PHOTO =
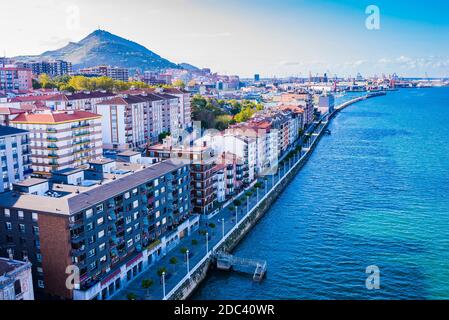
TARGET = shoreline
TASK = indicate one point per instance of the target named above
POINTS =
(187, 286)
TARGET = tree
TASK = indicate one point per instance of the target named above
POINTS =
(244, 115)
(45, 81)
(194, 242)
(173, 261)
(179, 84)
(147, 284)
(131, 296)
(162, 136)
(237, 202)
(183, 250)
(161, 270)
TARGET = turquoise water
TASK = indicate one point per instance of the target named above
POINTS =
(375, 192)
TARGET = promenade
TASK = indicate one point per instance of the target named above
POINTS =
(178, 268)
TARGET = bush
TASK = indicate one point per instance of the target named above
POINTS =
(194, 242)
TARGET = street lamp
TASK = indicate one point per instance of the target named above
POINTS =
(236, 214)
(222, 226)
(207, 242)
(163, 284)
(188, 267)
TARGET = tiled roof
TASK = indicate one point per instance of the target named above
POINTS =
(54, 117)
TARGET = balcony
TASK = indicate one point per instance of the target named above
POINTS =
(51, 130)
(82, 133)
(52, 139)
(78, 126)
(52, 147)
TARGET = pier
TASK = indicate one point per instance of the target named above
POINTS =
(225, 261)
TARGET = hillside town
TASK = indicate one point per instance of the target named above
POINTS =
(107, 169)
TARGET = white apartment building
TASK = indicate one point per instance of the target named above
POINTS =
(236, 142)
(61, 140)
(124, 122)
(133, 120)
(16, 282)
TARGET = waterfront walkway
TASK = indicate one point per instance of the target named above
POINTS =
(218, 228)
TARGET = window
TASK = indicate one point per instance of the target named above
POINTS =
(40, 284)
(34, 216)
(100, 208)
(17, 287)
(137, 238)
(8, 226)
(103, 259)
(38, 257)
(134, 191)
(129, 230)
(128, 219)
(164, 221)
(127, 195)
(135, 204)
(7, 213)
(22, 228)
(36, 230)
(130, 242)
(89, 213)
(156, 182)
(20, 214)
(157, 214)
(91, 253)
(101, 234)
(40, 270)
(102, 246)
(100, 221)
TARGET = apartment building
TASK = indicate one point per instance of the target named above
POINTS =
(14, 156)
(52, 68)
(61, 140)
(184, 107)
(203, 168)
(16, 282)
(302, 100)
(14, 79)
(86, 100)
(133, 120)
(243, 147)
(110, 221)
(116, 73)
(266, 139)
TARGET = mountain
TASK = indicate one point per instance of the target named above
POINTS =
(104, 48)
(188, 67)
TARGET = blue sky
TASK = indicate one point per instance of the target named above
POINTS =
(283, 37)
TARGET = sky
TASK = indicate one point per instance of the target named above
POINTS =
(269, 37)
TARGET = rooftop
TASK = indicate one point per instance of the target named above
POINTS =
(55, 117)
(8, 265)
(77, 198)
(10, 131)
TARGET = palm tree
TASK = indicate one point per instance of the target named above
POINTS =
(146, 284)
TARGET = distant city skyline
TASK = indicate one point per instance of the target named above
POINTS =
(282, 38)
